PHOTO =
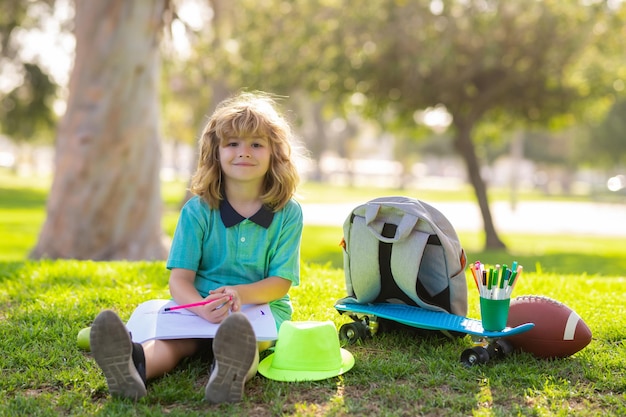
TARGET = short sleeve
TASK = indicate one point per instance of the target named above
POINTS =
(186, 249)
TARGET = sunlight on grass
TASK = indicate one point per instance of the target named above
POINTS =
(484, 399)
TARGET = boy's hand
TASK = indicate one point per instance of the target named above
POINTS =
(217, 310)
(235, 300)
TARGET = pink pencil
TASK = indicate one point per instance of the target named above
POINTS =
(200, 303)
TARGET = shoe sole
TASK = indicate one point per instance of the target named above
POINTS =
(234, 349)
(112, 349)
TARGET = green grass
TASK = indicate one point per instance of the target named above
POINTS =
(44, 304)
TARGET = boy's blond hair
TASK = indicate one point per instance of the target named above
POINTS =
(247, 115)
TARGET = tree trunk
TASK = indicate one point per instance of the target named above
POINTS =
(105, 201)
(465, 147)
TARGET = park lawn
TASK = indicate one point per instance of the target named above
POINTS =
(44, 304)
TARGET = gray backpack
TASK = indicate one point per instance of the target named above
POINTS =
(402, 250)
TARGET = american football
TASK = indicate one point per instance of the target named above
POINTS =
(559, 332)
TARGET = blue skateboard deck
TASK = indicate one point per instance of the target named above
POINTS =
(430, 320)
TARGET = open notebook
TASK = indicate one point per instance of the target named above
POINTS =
(150, 321)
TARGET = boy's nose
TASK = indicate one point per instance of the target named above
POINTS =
(244, 152)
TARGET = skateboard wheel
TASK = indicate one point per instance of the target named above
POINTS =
(475, 356)
(501, 348)
(351, 333)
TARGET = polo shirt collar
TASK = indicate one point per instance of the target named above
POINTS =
(230, 217)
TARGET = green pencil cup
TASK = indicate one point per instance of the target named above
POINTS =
(494, 313)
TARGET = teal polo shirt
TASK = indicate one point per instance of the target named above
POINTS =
(225, 248)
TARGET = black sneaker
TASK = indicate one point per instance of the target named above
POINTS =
(234, 349)
(121, 360)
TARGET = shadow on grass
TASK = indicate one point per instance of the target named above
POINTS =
(561, 263)
(571, 263)
(22, 198)
(321, 245)
(567, 263)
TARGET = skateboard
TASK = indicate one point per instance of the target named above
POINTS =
(491, 344)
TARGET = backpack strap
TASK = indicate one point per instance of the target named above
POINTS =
(404, 228)
(389, 289)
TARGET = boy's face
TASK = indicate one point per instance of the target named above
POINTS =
(245, 159)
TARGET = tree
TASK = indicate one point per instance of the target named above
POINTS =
(481, 60)
(26, 111)
(105, 200)
(26, 108)
(608, 139)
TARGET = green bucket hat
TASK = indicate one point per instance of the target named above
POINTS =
(306, 351)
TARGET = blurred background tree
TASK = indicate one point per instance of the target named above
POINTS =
(27, 110)
(608, 139)
(513, 62)
(27, 93)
